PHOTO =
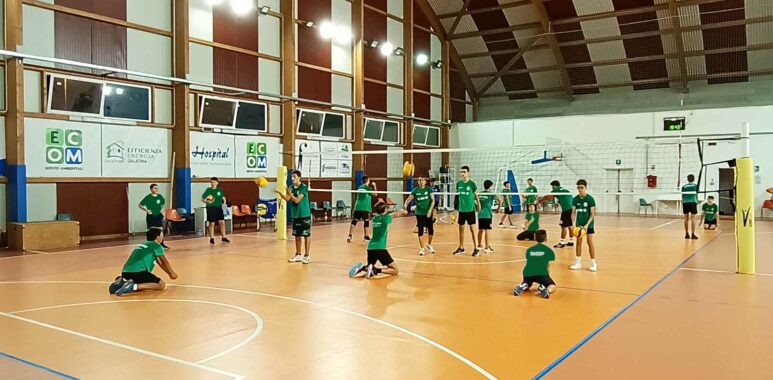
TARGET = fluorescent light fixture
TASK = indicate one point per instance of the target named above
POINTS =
(343, 35)
(326, 30)
(374, 44)
(437, 64)
(308, 24)
(399, 52)
(265, 9)
(241, 7)
(119, 91)
(421, 59)
(387, 48)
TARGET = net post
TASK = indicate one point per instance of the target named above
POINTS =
(744, 215)
(281, 204)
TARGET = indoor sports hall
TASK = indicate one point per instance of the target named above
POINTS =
(387, 189)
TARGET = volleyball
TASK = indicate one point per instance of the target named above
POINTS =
(210, 198)
(261, 181)
(261, 209)
(408, 169)
(578, 232)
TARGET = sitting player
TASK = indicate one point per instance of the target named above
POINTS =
(710, 210)
(137, 273)
(531, 225)
(377, 251)
(538, 259)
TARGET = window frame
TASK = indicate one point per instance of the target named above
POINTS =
(150, 101)
(50, 96)
(380, 140)
(320, 135)
(426, 138)
(265, 115)
(203, 98)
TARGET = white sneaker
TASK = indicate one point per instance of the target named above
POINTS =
(576, 266)
(296, 259)
(369, 271)
(306, 259)
(421, 252)
(431, 249)
(489, 250)
(502, 226)
(513, 226)
(593, 267)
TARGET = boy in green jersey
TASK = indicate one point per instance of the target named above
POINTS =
(507, 207)
(468, 205)
(531, 225)
(710, 210)
(528, 199)
(136, 274)
(690, 206)
(425, 204)
(362, 207)
(214, 197)
(538, 259)
(484, 217)
(565, 201)
(377, 252)
(584, 215)
(298, 193)
(152, 205)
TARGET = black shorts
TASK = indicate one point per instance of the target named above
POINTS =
(361, 215)
(466, 218)
(155, 221)
(484, 223)
(710, 222)
(214, 214)
(143, 277)
(542, 280)
(425, 221)
(302, 226)
(590, 231)
(509, 210)
(690, 208)
(456, 202)
(566, 219)
(379, 255)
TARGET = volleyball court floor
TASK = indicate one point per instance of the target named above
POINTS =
(659, 304)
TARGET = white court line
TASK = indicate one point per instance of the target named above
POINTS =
(723, 271)
(454, 263)
(251, 337)
(422, 338)
(124, 346)
(664, 224)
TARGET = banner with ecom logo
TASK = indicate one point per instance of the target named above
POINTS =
(55, 148)
(257, 156)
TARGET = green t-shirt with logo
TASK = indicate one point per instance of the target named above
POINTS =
(380, 225)
(583, 206)
(486, 203)
(217, 196)
(363, 202)
(531, 198)
(537, 259)
(143, 258)
(692, 188)
(300, 209)
(710, 211)
(534, 225)
(466, 192)
(564, 200)
(423, 199)
(154, 203)
(506, 201)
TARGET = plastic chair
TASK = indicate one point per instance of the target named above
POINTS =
(643, 203)
(236, 214)
(767, 205)
(327, 207)
(342, 209)
(391, 206)
(249, 215)
(314, 209)
(172, 216)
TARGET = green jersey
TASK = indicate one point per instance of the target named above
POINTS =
(143, 258)
(154, 203)
(380, 225)
(217, 195)
(710, 212)
(363, 203)
(486, 203)
(423, 199)
(300, 209)
(564, 200)
(531, 198)
(466, 192)
(691, 188)
(537, 259)
(506, 201)
(534, 225)
(583, 207)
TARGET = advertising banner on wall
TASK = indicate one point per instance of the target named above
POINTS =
(212, 155)
(336, 159)
(257, 156)
(309, 164)
(55, 148)
(135, 152)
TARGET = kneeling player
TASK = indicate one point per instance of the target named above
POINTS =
(538, 259)
(710, 210)
(377, 251)
(137, 273)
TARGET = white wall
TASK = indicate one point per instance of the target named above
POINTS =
(41, 202)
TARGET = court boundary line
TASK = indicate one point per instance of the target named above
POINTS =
(38, 366)
(725, 272)
(256, 331)
(393, 326)
(617, 314)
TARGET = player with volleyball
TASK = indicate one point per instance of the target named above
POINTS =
(214, 197)
(584, 216)
(425, 204)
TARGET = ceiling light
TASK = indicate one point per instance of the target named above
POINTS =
(108, 90)
(308, 24)
(422, 59)
(214, 2)
(343, 35)
(326, 30)
(119, 91)
(437, 64)
(387, 48)
(265, 9)
(399, 52)
(241, 7)
(374, 44)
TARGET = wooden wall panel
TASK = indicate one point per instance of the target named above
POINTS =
(314, 84)
(375, 28)
(422, 163)
(421, 74)
(235, 30)
(376, 164)
(102, 208)
(240, 193)
(312, 49)
(91, 41)
(421, 105)
(375, 96)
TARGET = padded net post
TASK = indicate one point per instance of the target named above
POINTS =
(744, 215)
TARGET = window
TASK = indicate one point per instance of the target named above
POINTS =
(217, 112)
(383, 131)
(322, 124)
(427, 136)
(77, 96)
(251, 116)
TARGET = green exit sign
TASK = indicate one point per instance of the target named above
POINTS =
(674, 124)
(618, 162)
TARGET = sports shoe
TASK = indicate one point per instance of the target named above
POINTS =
(430, 249)
(421, 252)
(519, 289)
(349, 239)
(559, 245)
(369, 271)
(306, 259)
(693, 237)
(476, 252)
(489, 250)
(593, 267)
(570, 244)
(357, 268)
(211, 241)
(366, 238)
(687, 236)
(513, 226)
(502, 225)
(127, 287)
(295, 259)
(117, 284)
(576, 266)
(225, 240)
(544, 292)
(459, 251)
